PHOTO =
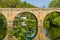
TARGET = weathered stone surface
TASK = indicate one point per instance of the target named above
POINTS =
(40, 14)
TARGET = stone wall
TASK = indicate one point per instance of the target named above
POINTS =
(40, 14)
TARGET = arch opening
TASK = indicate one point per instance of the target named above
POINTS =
(3, 26)
(25, 26)
(51, 25)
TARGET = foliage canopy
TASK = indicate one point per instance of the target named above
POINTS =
(52, 25)
(25, 32)
(3, 28)
(54, 4)
(14, 4)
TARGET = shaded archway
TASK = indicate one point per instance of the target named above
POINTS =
(25, 26)
(51, 25)
(3, 26)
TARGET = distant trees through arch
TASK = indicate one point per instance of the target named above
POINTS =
(25, 26)
(3, 26)
(51, 24)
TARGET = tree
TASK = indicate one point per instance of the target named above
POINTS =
(14, 4)
(27, 5)
(3, 28)
(54, 4)
(52, 25)
(25, 32)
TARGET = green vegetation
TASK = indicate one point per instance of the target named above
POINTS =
(15, 4)
(3, 29)
(28, 31)
(52, 25)
(54, 4)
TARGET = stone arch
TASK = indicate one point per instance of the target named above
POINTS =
(45, 13)
(17, 12)
(19, 15)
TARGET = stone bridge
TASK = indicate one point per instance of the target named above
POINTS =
(40, 14)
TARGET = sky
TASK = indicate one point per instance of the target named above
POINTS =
(38, 3)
